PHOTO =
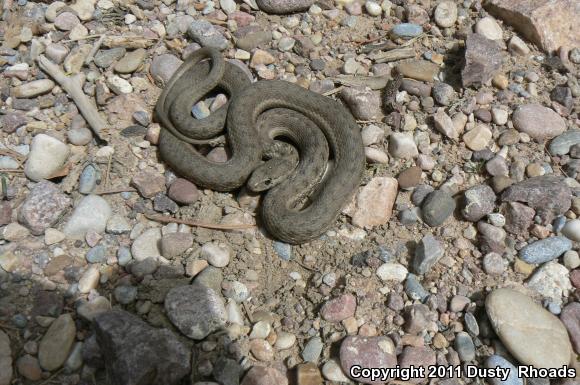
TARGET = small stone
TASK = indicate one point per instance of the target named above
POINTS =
(56, 344)
(545, 250)
(195, 310)
(538, 122)
(339, 309)
(443, 93)
(367, 352)
(118, 224)
(437, 207)
(183, 191)
(571, 259)
(90, 279)
(207, 35)
(125, 295)
(308, 374)
(570, 317)
(175, 244)
(217, 254)
(47, 156)
(5, 360)
(477, 138)
(489, 28)
(418, 69)
(407, 30)
(479, 201)
(65, 21)
(446, 14)
(262, 350)
(428, 252)
(147, 245)
(119, 85)
(15, 232)
(28, 367)
(149, 184)
(493, 264)
(562, 144)
(43, 207)
(131, 61)
(402, 146)
(483, 59)
(518, 46)
(33, 88)
(464, 347)
(88, 310)
(551, 281)
(91, 214)
(410, 177)
(496, 361)
(392, 272)
(373, 8)
(260, 375)
(312, 350)
(374, 202)
(499, 116)
(285, 341)
(417, 357)
(163, 66)
(444, 124)
(105, 58)
(260, 330)
(365, 104)
(530, 333)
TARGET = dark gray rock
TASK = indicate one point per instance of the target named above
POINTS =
(227, 371)
(495, 361)
(138, 354)
(562, 144)
(491, 238)
(483, 59)
(437, 207)
(545, 250)
(414, 289)
(464, 347)
(284, 6)
(427, 253)
(478, 202)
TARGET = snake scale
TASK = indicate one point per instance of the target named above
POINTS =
(257, 118)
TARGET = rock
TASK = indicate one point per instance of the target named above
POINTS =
(410, 177)
(548, 24)
(105, 57)
(308, 374)
(284, 6)
(163, 66)
(28, 367)
(91, 214)
(261, 350)
(572, 230)
(90, 309)
(195, 310)
(491, 238)
(259, 375)
(494, 264)
(489, 28)
(538, 122)
(43, 207)
(285, 341)
(56, 344)
(147, 245)
(416, 88)
(33, 88)
(547, 194)
(444, 124)
(47, 156)
(339, 309)
(175, 244)
(90, 279)
(312, 350)
(80, 136)
(374, 203)
(407, 30)
(217, 254)
(477, 138)
(417, 357)
(429, 250)
(545, 250)
(125, 295)
(498, 361)
(402, 146)
(531, 334)
(149, 184)
(418, 69)
(367, 352)
(332, 371)
(13, 121)
(207, 35)
(5, 360)
(518, 46)
(437, 207)
(519, 217)
(478, 202)
(551, 281)
(445, 14)
(118, 224)
(414, 289)
(392, 272)
(364, 103)
(119, 85)
(570, 317)
(136, 353)
(65, 21)
(131, 61)
(183, 191)
(464, 347)
(443, 93)
(483, 59)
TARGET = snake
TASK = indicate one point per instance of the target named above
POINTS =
(302, 198)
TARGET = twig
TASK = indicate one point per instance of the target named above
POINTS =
(215, 226)
(11, 171)
(84, 38)
(248, 314)
(304, 266)
(115, 191)
(13, 154)
(72, 86)
(108, 171)
(333, 91)
(94, 50)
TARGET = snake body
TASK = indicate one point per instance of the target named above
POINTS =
(331, 158)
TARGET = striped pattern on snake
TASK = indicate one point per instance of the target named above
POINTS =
(307, 202)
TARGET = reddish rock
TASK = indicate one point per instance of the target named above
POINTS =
(411, 177)
(260, 375)
(538, 122)
(242, 18)
(183, 191)
(43, 207)
(5, 213)
(570, 317)
(483, 59)
(149, 184)
(367, 352)
(374, 203)
(339, 308)
(365, 104)
(518, 218)
(12, 121)
(575, 278)
(550, 24)
(419, 357)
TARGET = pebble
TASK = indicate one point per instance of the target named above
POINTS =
(374, 202)
(428, 252)
(489, 28)
(445, 14)
(402, 146)
(414, 289)
(28, 367)
(91, 214)
(545, 250)
(464, 347)
(483, 60)
(437, 207)
(499, 116)
(392, 272)
(80, 136)
(538, 122)
(339, 309)
(119, 85)
(367, 352)
(260, 375)
(207, 35)
(530, 333)
(495, 361)
(43, 207)
(285, 341)
(365, 104)
(47, 156)
(407, 31)
(418, 69)
(551, 281)
(56, 344)
(443, 93)
(33, 88)
(571, 259)
(88, 179)
(477, 138)
(97, 254)
(312, 350)
(494, 264)
(570, 317)
(148, 183)
(125, 295)
(562, 144)
(147, 245)
(409, 178)
(332, 371)
(88, 310)
(373, 8)
(195, 310)
(118, 224)
(217, 254)
(65, 21)
(5, 359)
(90, 279)
(131, 61)
(163, 66)
(479, 201)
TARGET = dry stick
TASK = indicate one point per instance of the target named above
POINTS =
(94, 50)
(115, 191)
(214, 226)
(72, 86)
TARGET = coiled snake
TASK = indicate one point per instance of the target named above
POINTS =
(304, 199)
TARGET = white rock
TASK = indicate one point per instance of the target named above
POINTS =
(402, 146)
(499, 116)
(130, 18)
(332, 371)
(47, 156)
(374, 155)
(285, 340)
(489, 28)
(52, 10)
(92, 213)
(119, 85)
(444, 124)
(234, 313)
(228, 6)
(372, 134)
(392, 272)
(261, 330)
(551, 281)
(518, 46)
(571, 259)
(52, 236)
(217, 254)
(446, 14)
(572, 230)
(477, 138)
(79, 31)
(373, 8)
(90, 279)
(147, 245)
(84, 9)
